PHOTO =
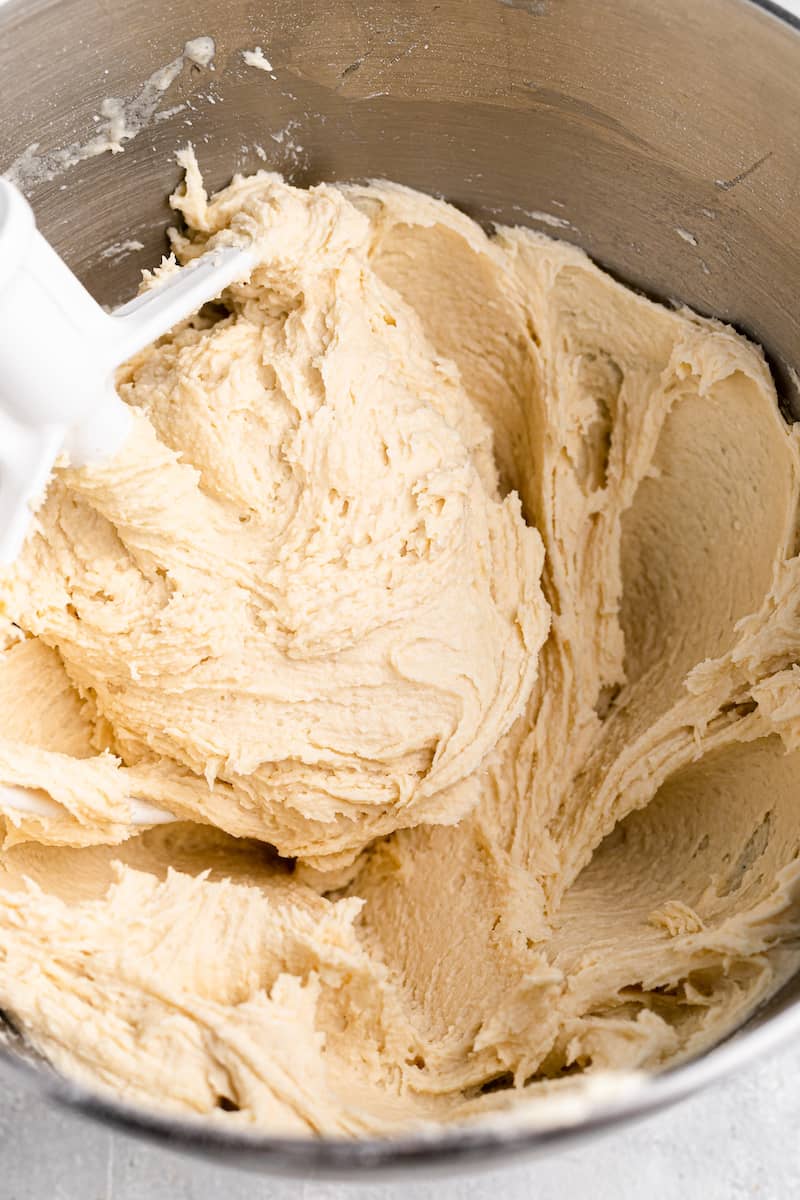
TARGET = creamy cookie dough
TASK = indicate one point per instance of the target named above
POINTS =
(446, 593)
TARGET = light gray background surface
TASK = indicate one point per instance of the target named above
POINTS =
(738, 1140)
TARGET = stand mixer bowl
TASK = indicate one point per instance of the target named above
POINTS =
(657, 137)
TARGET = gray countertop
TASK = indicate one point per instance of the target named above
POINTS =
(738, 1139)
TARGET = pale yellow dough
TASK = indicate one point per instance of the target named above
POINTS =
(446, 590)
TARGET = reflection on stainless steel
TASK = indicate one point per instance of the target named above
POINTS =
(658, 136)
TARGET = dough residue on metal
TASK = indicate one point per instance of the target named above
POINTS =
(119, 121)
(257, 58)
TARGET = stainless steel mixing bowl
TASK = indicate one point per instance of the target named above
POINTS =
(662, 137)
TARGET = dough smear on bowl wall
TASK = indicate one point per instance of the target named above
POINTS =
(445, 591)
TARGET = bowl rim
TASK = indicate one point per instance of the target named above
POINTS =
(488, 1143)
